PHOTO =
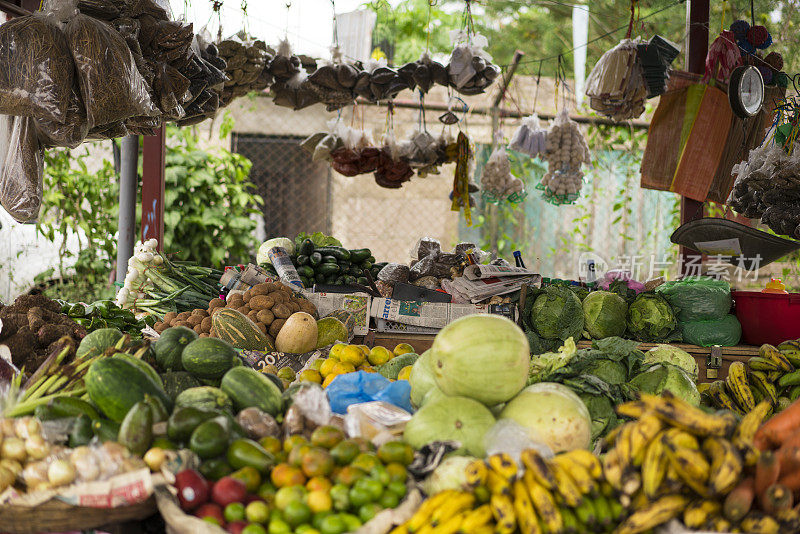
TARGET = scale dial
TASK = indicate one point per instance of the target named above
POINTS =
(746, 91)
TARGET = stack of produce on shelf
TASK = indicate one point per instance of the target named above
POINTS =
(565, 493)
(566, 151)
(773, 375)
(31, 330)
(343, 359)
(156, 285)
(702, 307)
(106, 314)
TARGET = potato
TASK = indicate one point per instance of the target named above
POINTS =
(282, 311)
(262, 327)
(160, 326)
(294, 306)
(215, 303)
(308, 307)
(203, 334)
(182, 323)
(197, 328)
(260, 289)
(182, 316)
(205, 325)
(279, 296)
(252, 315)
(276, 326)
(261, 302)
(244, 310)
(246, 297)
(234, 301)
(265, 316)
(201, 313)
(194, 320)
(169, 317)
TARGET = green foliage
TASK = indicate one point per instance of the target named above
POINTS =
(82, 203)
(209, 202)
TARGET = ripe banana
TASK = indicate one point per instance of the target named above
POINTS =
(720, 524)
(566, 487)
(539, 467)
(642, 433)
(762, 383)
(685, 456)
(497, 485)
(523, 508)
(746, 430)
(503, 512)
(577, 473)
(699, 513)
(760, 525)
(482, 494)
(791, 351)
(739, 387)
(654, 514)
(762, 364)
(772, 354)
(718, 393)
(726, 465)
(612, 469)
(423, 514)
(681, 414)
(654, 467)
(451, 508)
(587, 460)
(544, 503)
(452, 525)
(632, 409)
(503, 465)
(476, 473)
(623, 444)
(476, 518)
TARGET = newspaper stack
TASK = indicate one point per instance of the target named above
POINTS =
(481, 282)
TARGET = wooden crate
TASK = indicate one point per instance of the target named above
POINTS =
(705, 356)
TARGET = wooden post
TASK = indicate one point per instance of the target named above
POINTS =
(697, 22)
(154, 150)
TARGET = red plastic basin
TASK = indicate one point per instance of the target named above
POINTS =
(767, 317)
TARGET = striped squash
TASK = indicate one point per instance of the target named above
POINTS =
(239, 331)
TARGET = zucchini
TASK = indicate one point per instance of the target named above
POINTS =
(362, 280)
(371, 259)
(349, 280)
(329, 259)
(315, 259)
(359, 255)
(306, 247)
(302, 259)
(305, 270)
(328, 269)
(340, 253)
(355, 271)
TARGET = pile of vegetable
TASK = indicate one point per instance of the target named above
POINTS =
(156, 285)
(106, 314)
(30, 329)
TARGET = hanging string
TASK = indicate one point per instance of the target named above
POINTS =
(335, 25)
(245, 23)
(722, 17)
(431, 3)
(538, 79)
(633, 17)
(216, 8)
(288, 13)
(468, 24)
(752, 14)
(422, 122)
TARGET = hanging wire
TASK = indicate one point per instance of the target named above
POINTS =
(538, 79)
(216, 8)
(245, 23)
(288, 15)
(335, 25)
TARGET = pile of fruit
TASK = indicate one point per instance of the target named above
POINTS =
(342, 359)
(774, 375)
(326, 484)
(564, 494)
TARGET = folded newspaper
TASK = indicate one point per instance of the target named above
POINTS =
(427, 314)
(481, 282)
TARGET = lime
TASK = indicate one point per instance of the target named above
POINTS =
(351, 522)
(379, 355)
(396, 451)
(372, 487)
(279, 526)
(296, 513)
(306, 529)
(340, 495)
(368, 511)
(234, 512)
(275, 514)
(403, 348)
(366, 461)
(398, 488)
(284, 496)
(397, 472)
(352, 355)
(257, 512)
(381, 474)
(254, 528)
(333, 524)
(266, 491)
(319, 501)
(212, 520)
(345, 452)
(389, 499)
(316, 521)
(359, 496)
(326, 367)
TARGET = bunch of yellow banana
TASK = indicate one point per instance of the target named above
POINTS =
(561, 495)
(773, 375)
(674, 460)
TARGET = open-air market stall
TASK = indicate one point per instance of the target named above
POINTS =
(319, 389)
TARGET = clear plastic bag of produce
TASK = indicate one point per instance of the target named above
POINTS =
(72, 132)
(697, 299)
(36, 69)
(426, 246)
(394, 273)
(22, 168)
(726, 332)
(354, 388)
(111, 86)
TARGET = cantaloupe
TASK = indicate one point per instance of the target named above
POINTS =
(298, 335)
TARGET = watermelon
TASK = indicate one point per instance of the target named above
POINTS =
(176, 382)
(205, 398)
(98, 342)
(239, 331)
(143, 366)
(114, 385)
(169, 347)
(208, 357)
(247, 388)
(451, 418)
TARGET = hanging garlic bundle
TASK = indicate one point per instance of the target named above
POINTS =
(566, 152)
(497, 182)
(530, 138)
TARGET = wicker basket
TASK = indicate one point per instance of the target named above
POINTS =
(57, 516)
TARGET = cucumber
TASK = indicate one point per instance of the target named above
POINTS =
(362, 280)
(349, 280)
(302, 259)
(210, 439)
(331, 279)
(366, 265)
(319, 278)
(359, 255)
(81, 432)
(371, 259)
(136, 430)
(105, 430)
(329, 259)
(307, 283)
(340, 253)
(355, 271)
(305, 270)
(339, 280)
(315, 259)
(306, 247)
(328, 269)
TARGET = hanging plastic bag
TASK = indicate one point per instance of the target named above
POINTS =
(36, 70)
(497, 182)
(111, 86)
(530, 138)
(697, 299)
(615, 86)
(23, 167)
(471, 69)
(72, 132)
(726, 332)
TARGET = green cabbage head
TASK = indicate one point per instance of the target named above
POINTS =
(604, 314)
(664, 376)
(557, 314)
(650, 318)
(673, 355)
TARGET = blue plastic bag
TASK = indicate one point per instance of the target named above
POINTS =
(354, 388)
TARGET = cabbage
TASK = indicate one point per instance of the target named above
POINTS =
(286, 243)
(483, 357)
(673, 355)
(544, 364)
(665, 376)
(650, 318)
(450, 474)
(557, 314)
(421, 379)
(604, 314)
(553, 414)
(450, 418)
